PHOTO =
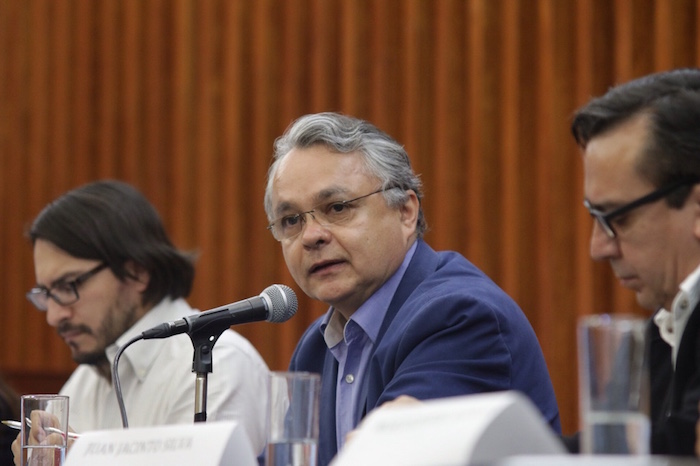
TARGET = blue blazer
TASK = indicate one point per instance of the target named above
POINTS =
(449, 331)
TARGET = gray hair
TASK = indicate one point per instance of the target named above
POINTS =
(383, 157)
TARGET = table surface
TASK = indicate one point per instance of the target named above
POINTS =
(597, 460)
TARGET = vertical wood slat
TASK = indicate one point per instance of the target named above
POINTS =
(14, 49)
(59, 100)
(185, 98)
(37, 141)
(324, 64)
(156, 97)
(109, 143)
(583, 294)
(544, 169)
(697, 33)
(131, 71)
(58, 143)
(448, 121)
(416, 119)
(513, 164)
(475, 50)
(83, 88)
(202, 169)
(233, 157)
(180, 54)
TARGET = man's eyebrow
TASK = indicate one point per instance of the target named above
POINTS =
(318, 198)
(66, 277)
(604, 207)
(329, 193)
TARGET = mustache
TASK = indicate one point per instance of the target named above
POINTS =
(66, 326)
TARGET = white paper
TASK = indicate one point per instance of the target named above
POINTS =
(201, 444)
(455, 431)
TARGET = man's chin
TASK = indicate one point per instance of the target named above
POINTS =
(647, 303)
(93, 359)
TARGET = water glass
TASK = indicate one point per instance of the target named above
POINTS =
(613, 385)
(44, 434)
(293, 419)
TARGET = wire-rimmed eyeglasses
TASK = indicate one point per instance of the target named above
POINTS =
(64, 293)
(605, 219)
(327, 213)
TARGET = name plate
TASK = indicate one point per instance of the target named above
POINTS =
(472, 429)
(203, 444)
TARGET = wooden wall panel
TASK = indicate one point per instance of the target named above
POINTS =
(184, 98)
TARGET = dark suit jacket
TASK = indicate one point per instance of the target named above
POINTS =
(7, 435)
(674, 395)
(449, 331)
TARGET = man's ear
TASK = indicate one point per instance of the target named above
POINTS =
(694, 199)
(137, 274)
(409, 211)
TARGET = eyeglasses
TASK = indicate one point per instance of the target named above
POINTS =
(605, 219)
(329, 213)
(64, 293)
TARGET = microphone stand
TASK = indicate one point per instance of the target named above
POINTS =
(203, 340)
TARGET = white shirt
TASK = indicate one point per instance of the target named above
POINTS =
(158, 385)
(672, 324)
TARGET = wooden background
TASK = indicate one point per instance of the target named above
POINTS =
(184, 98)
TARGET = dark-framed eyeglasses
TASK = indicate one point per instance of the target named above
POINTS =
(605, 219)
(64, 293)
(327, 213)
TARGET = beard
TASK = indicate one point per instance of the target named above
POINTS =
(92, 359)
(118, 319)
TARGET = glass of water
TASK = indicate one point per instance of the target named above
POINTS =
(293, 419)
(44, 436)
(613, 385)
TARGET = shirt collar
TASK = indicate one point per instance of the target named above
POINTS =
(370, 315)
(672, 324)
(142, 355)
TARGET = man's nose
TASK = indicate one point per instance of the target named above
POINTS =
(55, 313)
(603, 247)
(313, 231)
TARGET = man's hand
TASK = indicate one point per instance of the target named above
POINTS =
(38, 435)
(402, 400)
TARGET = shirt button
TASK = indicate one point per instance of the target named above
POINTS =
(349, 378)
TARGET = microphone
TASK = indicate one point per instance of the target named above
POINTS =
(277, 303)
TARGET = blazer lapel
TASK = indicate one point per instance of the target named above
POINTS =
(423, 263)
(327, 432)
(686, 358)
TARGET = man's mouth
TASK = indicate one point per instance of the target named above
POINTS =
(325, 265)
(628, 281)
(71, 332)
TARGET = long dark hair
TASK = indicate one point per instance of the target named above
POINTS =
(9, 400)
(113, 222)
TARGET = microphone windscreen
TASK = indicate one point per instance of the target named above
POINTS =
(284, 303)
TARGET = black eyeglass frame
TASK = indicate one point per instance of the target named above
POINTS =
(302, 215)
(33, 294)
(604, 219)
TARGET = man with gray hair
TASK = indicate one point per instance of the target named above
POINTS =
(345, 204)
